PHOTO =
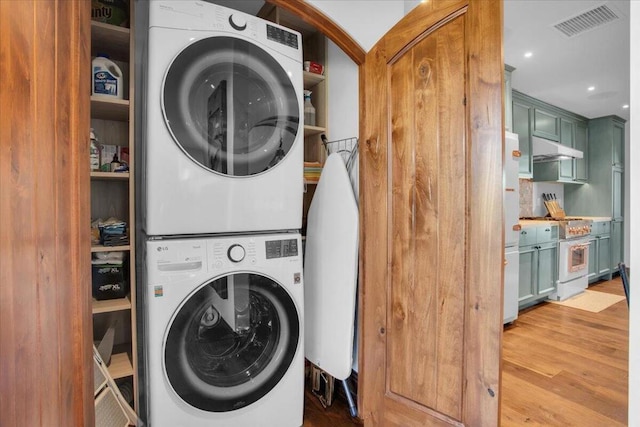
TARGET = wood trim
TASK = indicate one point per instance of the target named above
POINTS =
(484, 267)
(46, 336)
(325, 25)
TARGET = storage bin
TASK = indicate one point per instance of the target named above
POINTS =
(109, 280)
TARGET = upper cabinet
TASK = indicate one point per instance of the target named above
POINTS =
(532, 117)
(522, 113)
(546, 124)
(508, 103)
(604, 194)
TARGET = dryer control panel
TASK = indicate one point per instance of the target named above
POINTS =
(281, 248)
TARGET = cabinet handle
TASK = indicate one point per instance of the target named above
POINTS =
(516, 153)
(547, 229)
(516, 227)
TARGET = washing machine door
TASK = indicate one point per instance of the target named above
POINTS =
(231, 342)
(230, 106)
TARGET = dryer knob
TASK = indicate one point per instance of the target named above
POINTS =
(238, 22)
(236, 253)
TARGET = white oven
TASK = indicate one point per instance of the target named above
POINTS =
(573, 268)
(574, 259)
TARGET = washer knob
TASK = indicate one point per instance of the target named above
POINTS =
(236, 253)
(238, 22)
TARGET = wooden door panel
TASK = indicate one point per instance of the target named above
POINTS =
(45, 338)
(431, 210)
(428, 217)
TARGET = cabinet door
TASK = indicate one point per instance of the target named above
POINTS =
(580, 143)
(593, 258)
(527, 273)
(546, 125)
(617, 244)
(617, 194)
(566, 138)
(618, 144)
(547, 268)
(522, 126)
(508, 105)
(604, 255)
(419, 139)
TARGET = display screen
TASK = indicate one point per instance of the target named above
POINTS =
(281, 36)
(281, 248)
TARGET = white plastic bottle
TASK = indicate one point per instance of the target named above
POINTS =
(309, 110)
(94, 152)
(106, 78)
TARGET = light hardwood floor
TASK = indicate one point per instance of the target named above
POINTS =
(560, 367)
(567, 367)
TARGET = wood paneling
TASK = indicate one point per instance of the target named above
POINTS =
(428, 221)
(431, 174)
(45, 315)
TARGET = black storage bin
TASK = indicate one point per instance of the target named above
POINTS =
(109, 280)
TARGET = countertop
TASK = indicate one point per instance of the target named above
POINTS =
(537, 222)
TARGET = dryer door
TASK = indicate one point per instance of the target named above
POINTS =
(231, 342)
(230, 106)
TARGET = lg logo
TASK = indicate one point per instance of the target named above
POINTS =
(162, 248)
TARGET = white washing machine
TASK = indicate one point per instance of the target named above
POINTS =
(224, 318)
(224, 134)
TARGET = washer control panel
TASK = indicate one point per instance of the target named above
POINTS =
(236, 253)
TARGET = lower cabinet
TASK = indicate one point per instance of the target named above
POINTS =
(538, 264)
(617, 244)
(600, 251)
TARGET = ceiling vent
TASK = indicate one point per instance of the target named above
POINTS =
(586, 21)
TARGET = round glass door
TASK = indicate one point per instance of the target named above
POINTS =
(231, 342)
(230, 106)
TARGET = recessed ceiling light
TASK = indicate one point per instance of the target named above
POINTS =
(528, 54)
(591, 88)
(625, 106)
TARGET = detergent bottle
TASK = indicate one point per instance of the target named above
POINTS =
(309, 110)
(106, 78)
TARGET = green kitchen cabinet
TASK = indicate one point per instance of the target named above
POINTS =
(546, 124)
(581, 143)
(508, 103)
(604, 194)
(617, 244)
(521, 113)
(600, 251)
(618, 143)
(532, 117)
(538, 268)
(567, 137)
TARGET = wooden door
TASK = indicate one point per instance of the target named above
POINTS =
(46, 372)
(431, 206)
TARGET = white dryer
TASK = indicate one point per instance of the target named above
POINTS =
(224, 134)
(224, 318)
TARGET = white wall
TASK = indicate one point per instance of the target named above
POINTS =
(343, 95)
(634, 224)
(365, 21)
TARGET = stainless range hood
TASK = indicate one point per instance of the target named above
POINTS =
(544, 150)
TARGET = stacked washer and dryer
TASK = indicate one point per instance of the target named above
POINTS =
(223, 184)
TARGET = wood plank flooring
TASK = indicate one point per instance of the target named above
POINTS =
(560, 367)
(567, 367)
